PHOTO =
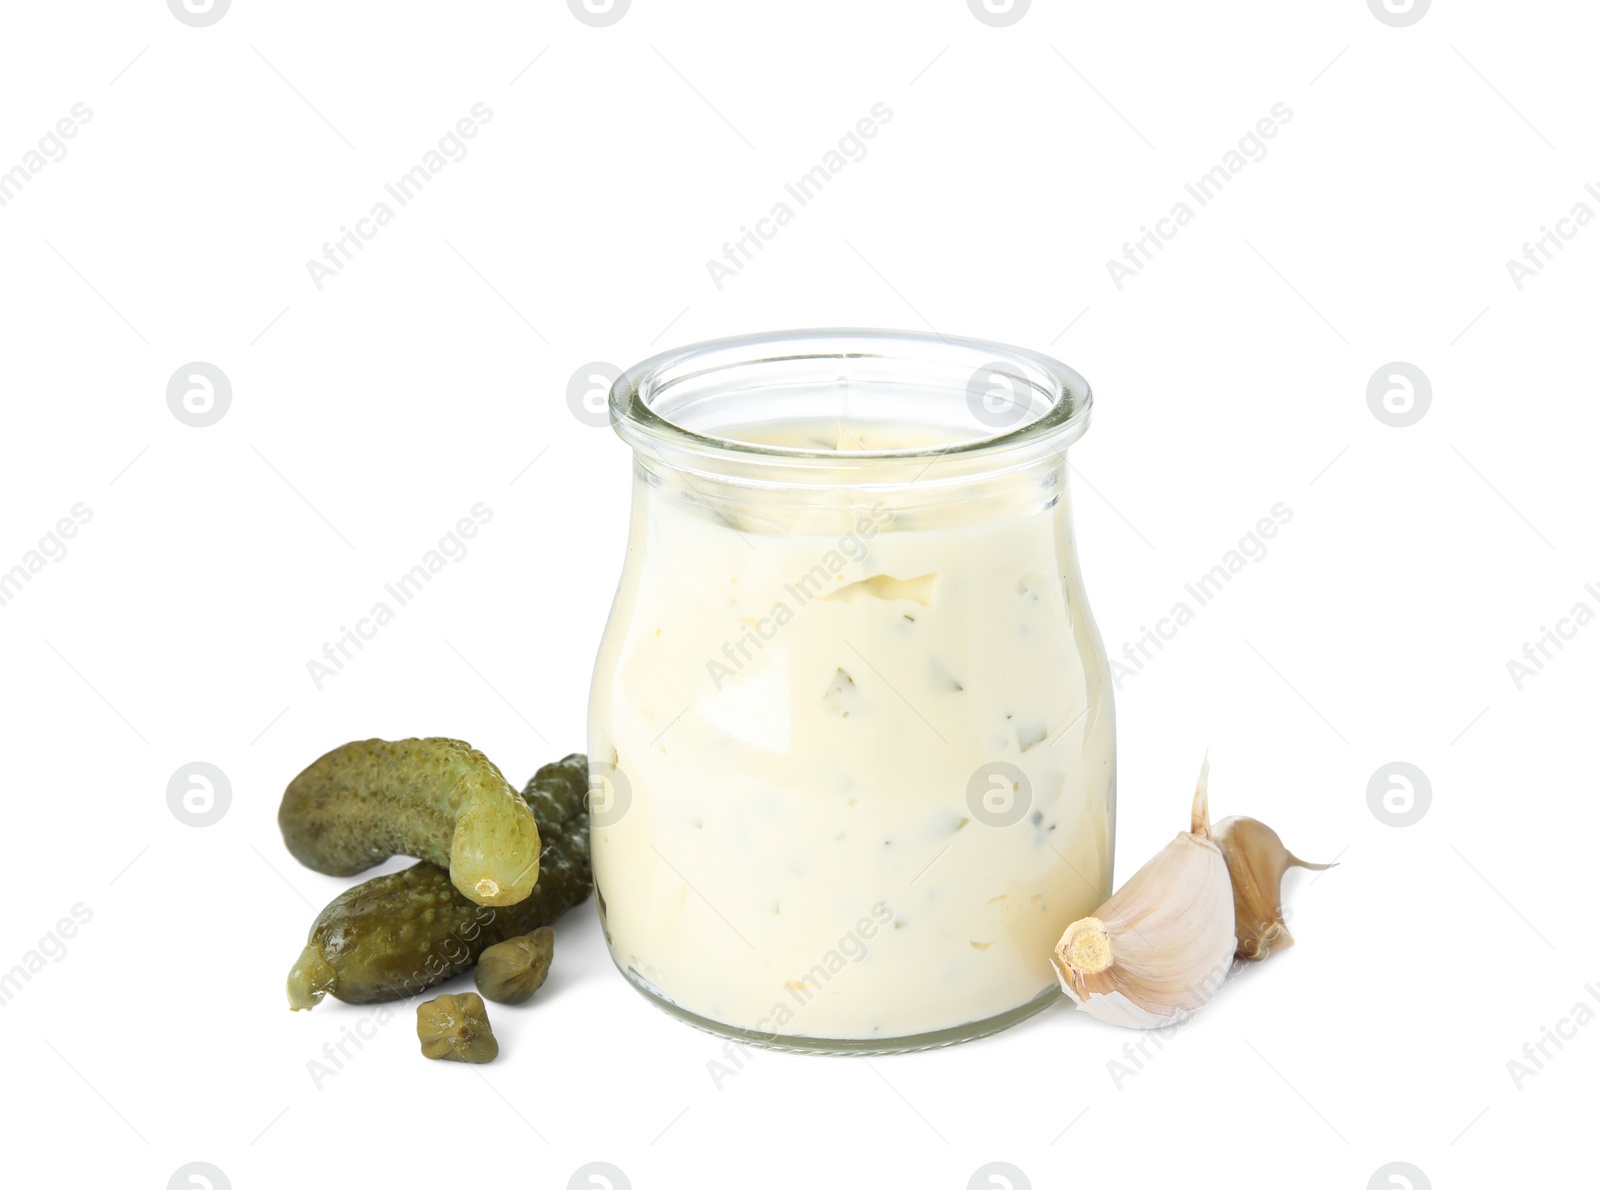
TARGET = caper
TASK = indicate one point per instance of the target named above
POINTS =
(510, 972)
(456, 1029)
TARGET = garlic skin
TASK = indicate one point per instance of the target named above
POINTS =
(1159, 949)
(1257, 860)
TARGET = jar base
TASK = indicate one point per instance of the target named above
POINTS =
(850, 1045)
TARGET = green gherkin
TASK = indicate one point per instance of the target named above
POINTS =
(437, 799)
(393, 936)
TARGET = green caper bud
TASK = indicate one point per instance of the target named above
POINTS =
(510, 972)
(456, 1029)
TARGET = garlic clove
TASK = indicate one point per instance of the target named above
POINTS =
(1257, 860)
(1159, 949)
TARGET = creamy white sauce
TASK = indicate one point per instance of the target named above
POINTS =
(796, 717)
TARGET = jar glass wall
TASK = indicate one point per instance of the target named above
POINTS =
(851, 724)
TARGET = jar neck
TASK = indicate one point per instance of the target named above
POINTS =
(825, 422)
(941, 492)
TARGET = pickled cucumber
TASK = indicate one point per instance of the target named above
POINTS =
(456, 1029)
(396, 935)
(437, 799)
(510, 972)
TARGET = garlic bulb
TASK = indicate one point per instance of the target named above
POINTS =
(1257, 860)
(1160, 948)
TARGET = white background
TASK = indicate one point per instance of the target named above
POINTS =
(430, 374)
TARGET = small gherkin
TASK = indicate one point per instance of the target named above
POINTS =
(437, 799)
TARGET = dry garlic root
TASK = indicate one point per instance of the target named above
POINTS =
(1160, 948)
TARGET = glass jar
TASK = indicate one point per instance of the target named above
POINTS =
(851, 730)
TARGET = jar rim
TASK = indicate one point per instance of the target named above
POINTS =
(1066, 394)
